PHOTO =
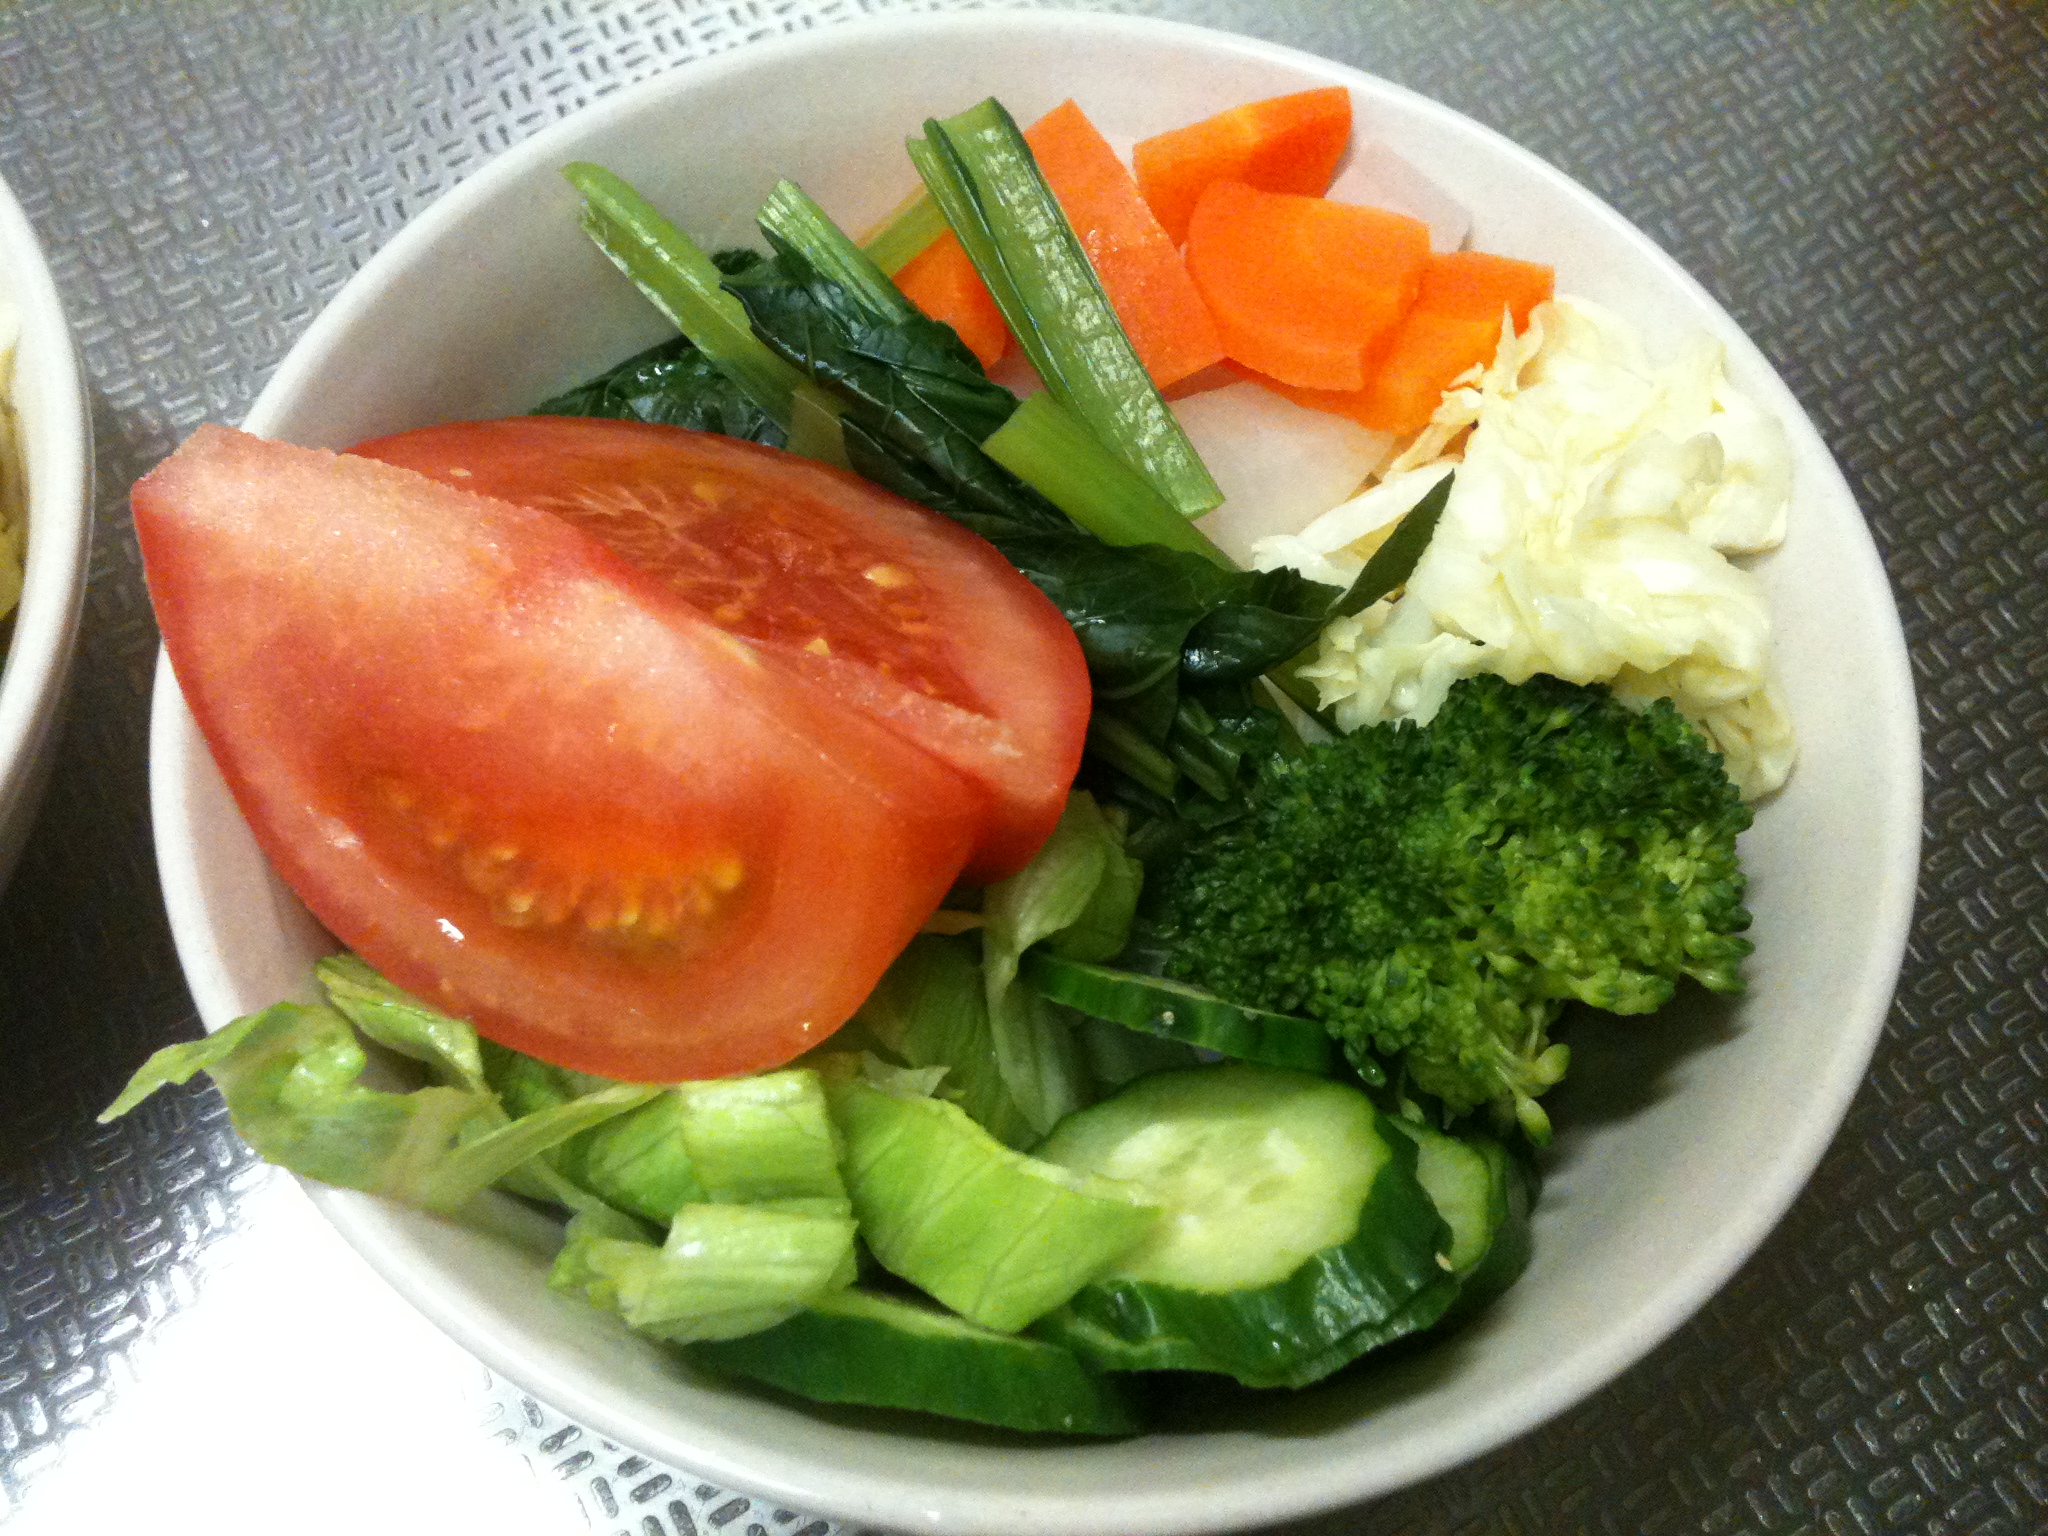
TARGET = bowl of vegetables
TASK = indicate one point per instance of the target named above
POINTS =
(45, 517)
(1060, 1004)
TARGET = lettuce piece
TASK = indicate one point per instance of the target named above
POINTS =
(769, 1137)
(487, 1159)
(639, 1162)
(930, 1009)
(400, 1022)
(1080, 882)
(724, 1271)
(289, 1075)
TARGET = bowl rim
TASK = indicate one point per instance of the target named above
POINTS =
(56, 448)
(1696, 1276)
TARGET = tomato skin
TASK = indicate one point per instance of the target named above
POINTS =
(958, 653)
(524, 780)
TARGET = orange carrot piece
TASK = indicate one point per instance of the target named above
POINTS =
(1282, 144)
(941, 281)
(1455, 324)
(1426, 352)
(1139, 267)
(1475, 284)
(1303, 288)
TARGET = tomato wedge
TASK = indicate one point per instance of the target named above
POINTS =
(898, 611)
(530, 782)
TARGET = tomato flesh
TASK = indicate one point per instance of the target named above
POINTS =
(526, 780)
(898, 611)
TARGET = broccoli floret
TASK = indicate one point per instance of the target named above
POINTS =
(1437, 893)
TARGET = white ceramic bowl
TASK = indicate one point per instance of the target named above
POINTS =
(56, 451)
(1663, 1182)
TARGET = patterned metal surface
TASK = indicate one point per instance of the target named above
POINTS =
(1865, 188)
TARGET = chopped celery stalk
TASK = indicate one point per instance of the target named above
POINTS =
(986, 181)
(792, 217)
(911, 228)
(1046, 446)
(681, 281)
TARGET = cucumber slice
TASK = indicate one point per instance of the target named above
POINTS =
(999, 1237)
(1176, 1011)
(1484, 1193)
(887, 1352)
(1461, 1183)
(1297, 1235)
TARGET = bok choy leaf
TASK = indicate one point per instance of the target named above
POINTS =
(983, 176)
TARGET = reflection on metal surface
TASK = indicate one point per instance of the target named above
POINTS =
(295, 1390)
(185, 1347)
(619, 1490)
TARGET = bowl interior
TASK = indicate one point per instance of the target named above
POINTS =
(55, 441)
(1683, 1139)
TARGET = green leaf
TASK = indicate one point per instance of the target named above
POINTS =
(683, 282)
(289, 1075)
(673, 384)
(725, 1270)
(1034, 1046)
(483, 1160)
(400, 1022)
(931, 1010)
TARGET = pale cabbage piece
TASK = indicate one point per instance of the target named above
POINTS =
(1597, 499)
(1334, 548)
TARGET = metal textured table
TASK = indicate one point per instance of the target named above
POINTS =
(184, 1346)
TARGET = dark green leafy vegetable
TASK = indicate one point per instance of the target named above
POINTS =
(1438, 893)
(676, 385)
(1158, 625)
(684, 284)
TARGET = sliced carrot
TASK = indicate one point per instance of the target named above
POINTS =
(1139, 267)
(1454, 325)
(1480, 285)
(1303, 288)
(941, 281)
(1282, 144)
(1427, 351)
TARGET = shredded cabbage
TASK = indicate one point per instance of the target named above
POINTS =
(1598, 497)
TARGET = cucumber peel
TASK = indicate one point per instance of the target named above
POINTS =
(1176, 1011)
(884, 1351)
